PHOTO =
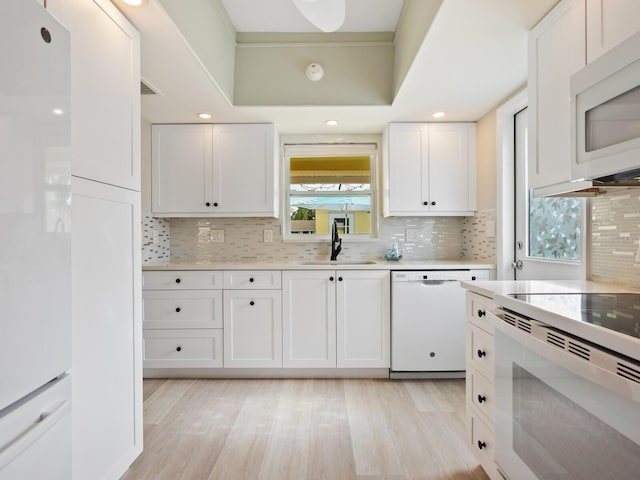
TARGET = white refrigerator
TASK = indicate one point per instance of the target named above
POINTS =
(35, 244)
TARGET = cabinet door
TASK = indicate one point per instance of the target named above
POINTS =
(309, 319)
(105, 92)
(451, 162)
(408, 173)
(243, 173)
(252, 328)
(556, 51)
(609, 22)
(107, 329)
(181, 169)
(363, 318)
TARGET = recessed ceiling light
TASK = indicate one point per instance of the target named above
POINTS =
(204, 116)
(57, 111)
(438, 114)
(331, 123)
(133, 3)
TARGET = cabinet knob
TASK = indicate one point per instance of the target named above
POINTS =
(178, 280)
(481, 445)
(215, 204)
(178, 309)
(482, 399)
(425, 203)
(482, 353)
(208, 204)
(339, 279)
(331, 279)
(251, 280)
(481, 313)
(178, 349)
(473, 278)
(433, 203)
(252, 303)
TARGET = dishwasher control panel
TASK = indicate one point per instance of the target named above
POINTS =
(418, 276)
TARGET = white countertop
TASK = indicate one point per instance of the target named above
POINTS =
(326, 265)
(561, 311)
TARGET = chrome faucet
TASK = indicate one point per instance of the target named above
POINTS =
(336, 242)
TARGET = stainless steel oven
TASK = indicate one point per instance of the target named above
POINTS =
(565, 408)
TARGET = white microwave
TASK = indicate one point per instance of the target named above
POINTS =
(605, 114)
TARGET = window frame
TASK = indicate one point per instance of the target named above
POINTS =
(310, 150)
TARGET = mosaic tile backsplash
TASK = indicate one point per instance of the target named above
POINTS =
(479, 236)
(615, 237)
(435, 238)
(156, 241)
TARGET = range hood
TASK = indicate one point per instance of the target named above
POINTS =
(591, 188)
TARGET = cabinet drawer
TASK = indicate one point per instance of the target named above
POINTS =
(182, 309)
(253, 279)
(477, 309)
(481, 394)
(181, 280)
(480, 351)
(482, 441)
(183, 348)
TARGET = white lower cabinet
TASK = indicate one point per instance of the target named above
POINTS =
(480, 382)
(253, 328)
(336, 319)
(182, 319)
(189, 348)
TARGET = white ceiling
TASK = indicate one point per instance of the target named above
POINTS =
(474, 55)
(283, 16)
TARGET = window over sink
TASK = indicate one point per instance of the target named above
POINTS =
(327, 183)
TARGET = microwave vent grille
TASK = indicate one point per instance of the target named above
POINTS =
(579, 350)
(510, 319)
(629, 372)
(556, 340)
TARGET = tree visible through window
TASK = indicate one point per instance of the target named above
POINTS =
(323, 189)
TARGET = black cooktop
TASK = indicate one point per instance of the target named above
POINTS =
(615, 311)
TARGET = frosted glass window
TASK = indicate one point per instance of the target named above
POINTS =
(554, 228)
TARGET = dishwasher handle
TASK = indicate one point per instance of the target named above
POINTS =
(437, 282)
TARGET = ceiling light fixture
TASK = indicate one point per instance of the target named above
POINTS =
(133, 3)
(314, 72)
(438, 114)
(327, 15)
(204, 116)
(57, 111)
(331, 123)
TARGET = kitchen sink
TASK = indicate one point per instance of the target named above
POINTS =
(339, 262)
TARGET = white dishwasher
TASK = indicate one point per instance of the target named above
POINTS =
(428, 323)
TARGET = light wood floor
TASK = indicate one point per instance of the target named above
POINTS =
(304, 429)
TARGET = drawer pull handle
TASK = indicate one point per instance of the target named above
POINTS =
(178, 349)
(178, 309)
(215, 204)
(425, 203)
(481, 445)
(208, 204)
(481, 313)
(433, 203)
(251, 280)
(252, 303)
(178, 280)
(482, 353)
(482, 399)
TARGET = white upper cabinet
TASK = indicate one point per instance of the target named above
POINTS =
(556, 51)
(214, 170)
(429, 169)
(609, 22)
(105, 88)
